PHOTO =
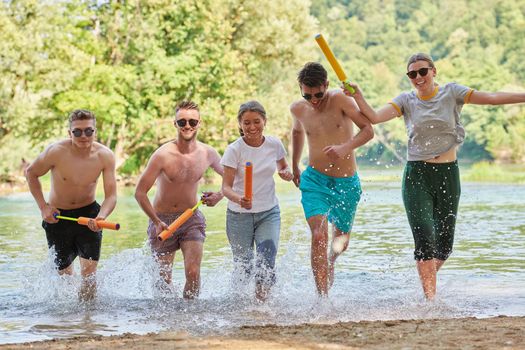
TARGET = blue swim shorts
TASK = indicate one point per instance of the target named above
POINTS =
(335, 197)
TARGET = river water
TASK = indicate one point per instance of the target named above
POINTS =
(375, 278)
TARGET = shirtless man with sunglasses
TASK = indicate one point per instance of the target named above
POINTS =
(178, 167)
(75, 164)
(330, 185)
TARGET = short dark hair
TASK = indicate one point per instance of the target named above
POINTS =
(187, 105)
(312, 74)
(250, 106)
(82, 114)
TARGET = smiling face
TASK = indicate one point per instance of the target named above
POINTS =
(81, 127)
(315, 96)
(188, 122)
(423, 84)
(252, 125)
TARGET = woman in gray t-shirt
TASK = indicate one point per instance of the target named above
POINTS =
(431, 187)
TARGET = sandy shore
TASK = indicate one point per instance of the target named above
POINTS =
(465, 333)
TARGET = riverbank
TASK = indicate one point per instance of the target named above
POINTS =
(477, 172)
(464, 333)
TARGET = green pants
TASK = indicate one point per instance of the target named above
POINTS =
(431, 194)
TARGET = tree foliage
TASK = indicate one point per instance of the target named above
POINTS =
(132, 61)
(477, 44)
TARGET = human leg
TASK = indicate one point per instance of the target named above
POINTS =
(60, 237)
(439, 263)
(240, 231)
(418, 199)
(88, 244)
(164, 251)
(67, 270)
(165, 261)
(267, 231)
(427, 274)
(192, 252)
(448, 192)
(319, 255)
(339, 244)
(346, 196)
(88, 286)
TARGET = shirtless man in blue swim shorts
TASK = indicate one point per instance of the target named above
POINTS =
(330, 185)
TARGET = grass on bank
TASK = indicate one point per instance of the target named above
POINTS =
(491, 172)
(477, 172)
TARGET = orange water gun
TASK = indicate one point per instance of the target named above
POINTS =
(167, 233)
(84, 221)
(248, 181)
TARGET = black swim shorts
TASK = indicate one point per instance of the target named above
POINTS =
(71, 239)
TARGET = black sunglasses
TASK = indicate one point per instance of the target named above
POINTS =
(78, 132)
(422, 72)
(182, 122)
(317, 95)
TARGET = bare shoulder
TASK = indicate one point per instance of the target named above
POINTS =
(103, 150)
(339, 97)
(164, 151)
(56, 149)
(206, 147)
(210, 151)
(297, 107)
(105, 154)
(344, 103)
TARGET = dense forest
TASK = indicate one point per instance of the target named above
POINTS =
(131, 62)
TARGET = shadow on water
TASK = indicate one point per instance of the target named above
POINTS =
(375, 279)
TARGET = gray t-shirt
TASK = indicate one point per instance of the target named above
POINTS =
(432, 123)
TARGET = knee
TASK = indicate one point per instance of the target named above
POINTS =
(340, 243)
(320, 237)
(193, 273)
(266, 251)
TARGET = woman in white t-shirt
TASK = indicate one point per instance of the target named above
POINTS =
(255, 221)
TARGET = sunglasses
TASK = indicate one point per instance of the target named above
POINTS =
(317, 95)
(422, 72)
(182, 122)
(78, 132)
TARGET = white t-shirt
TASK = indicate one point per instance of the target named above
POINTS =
(264, 161)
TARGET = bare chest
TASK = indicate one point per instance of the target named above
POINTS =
(186, 168)
(78, 171)
(330, 124)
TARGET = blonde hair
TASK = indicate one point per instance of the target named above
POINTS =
(187, 105)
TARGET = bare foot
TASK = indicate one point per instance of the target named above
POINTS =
(430, 296)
